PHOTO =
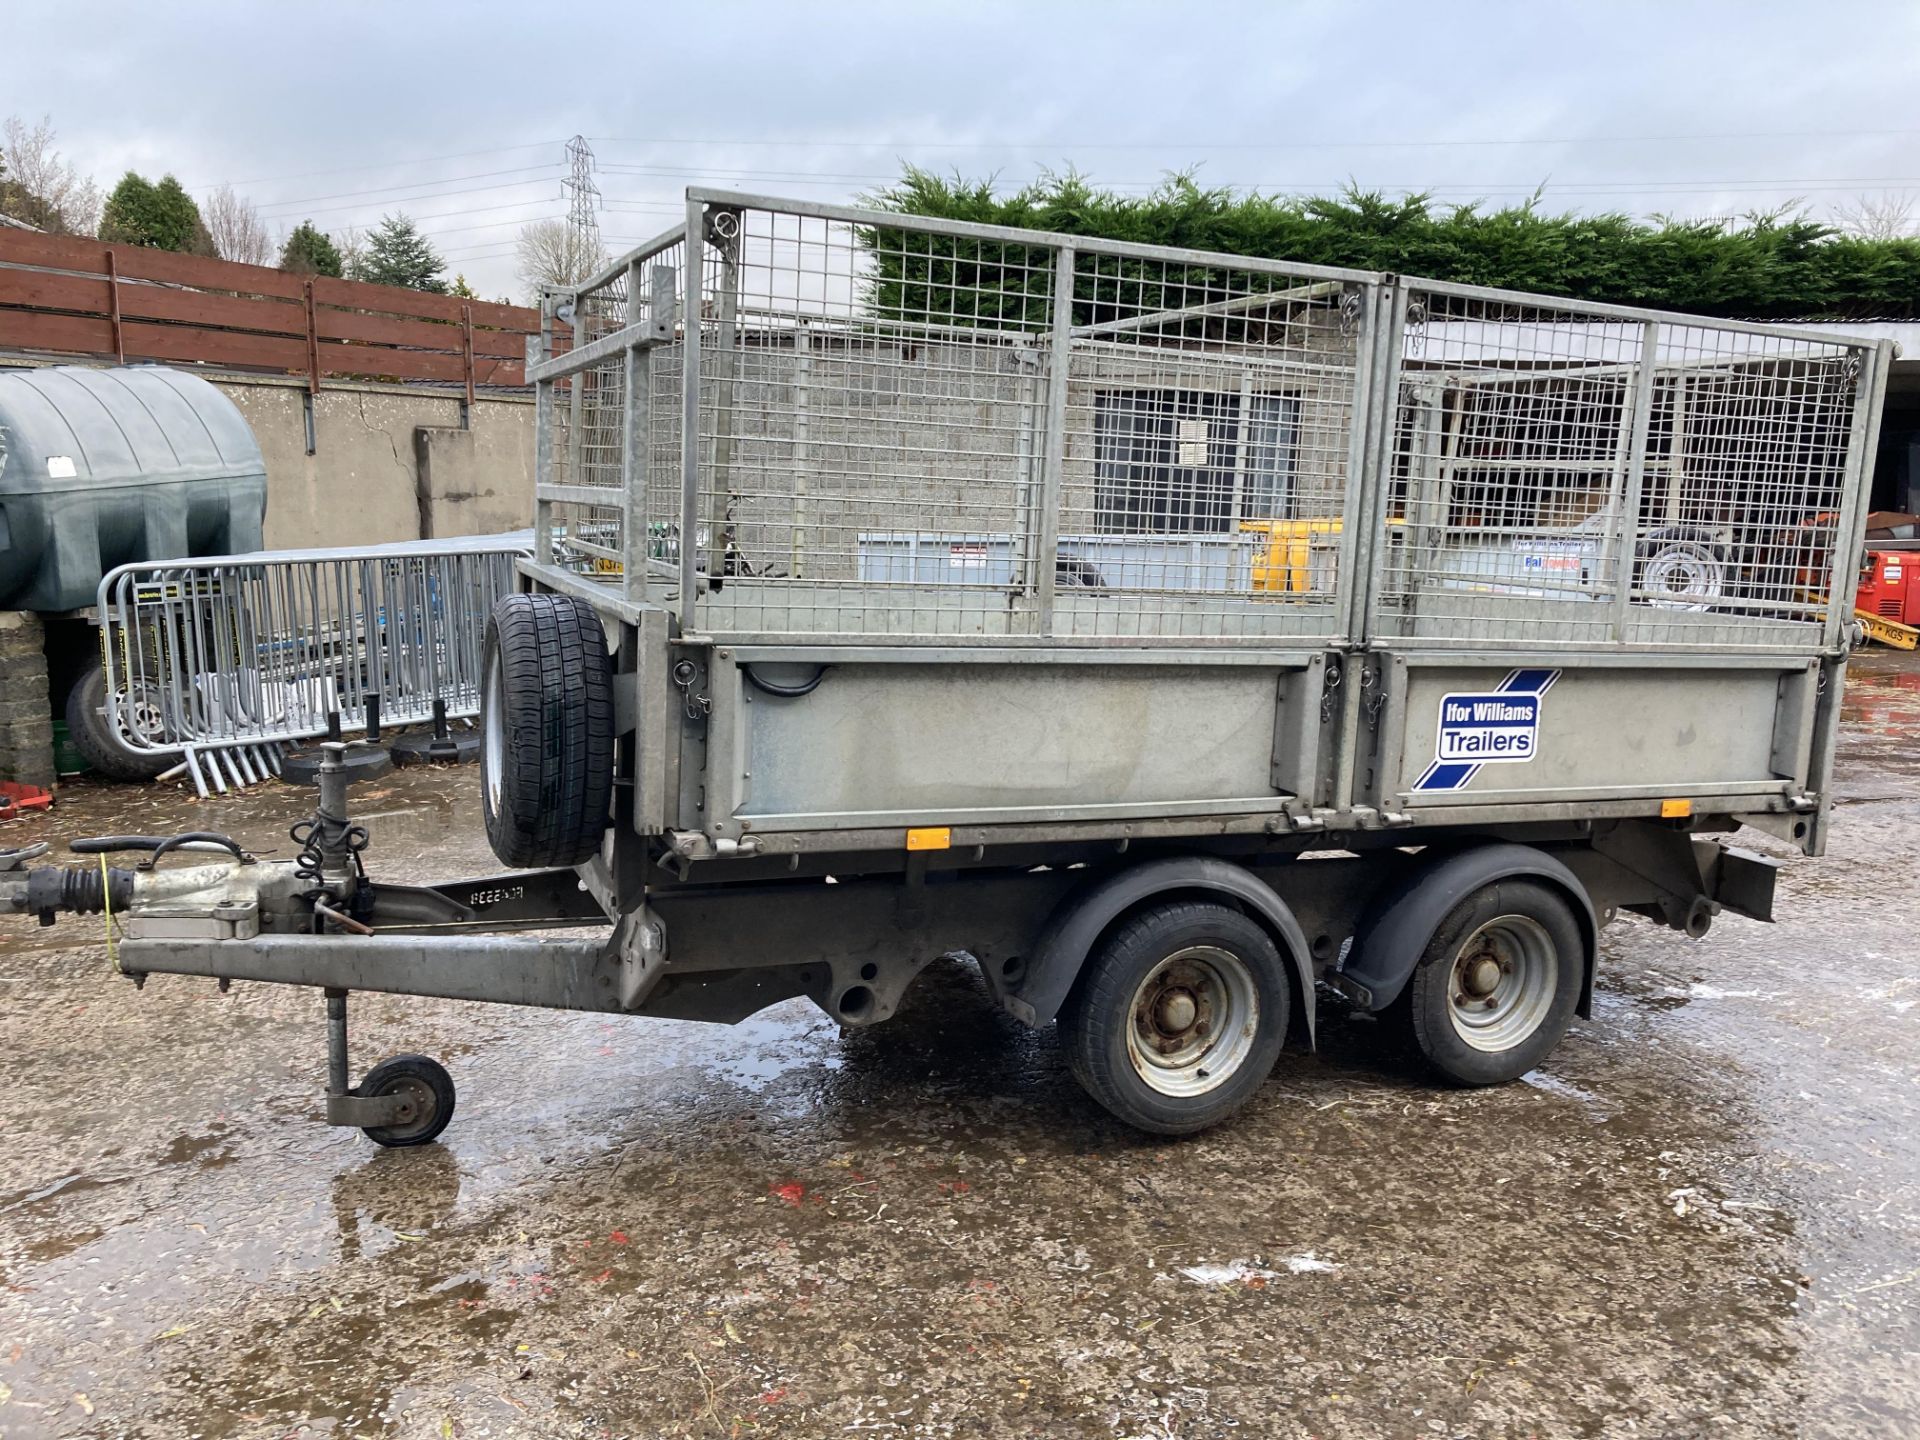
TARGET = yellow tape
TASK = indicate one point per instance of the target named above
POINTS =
(106, 904)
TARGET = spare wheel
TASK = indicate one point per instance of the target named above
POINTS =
(546, 708)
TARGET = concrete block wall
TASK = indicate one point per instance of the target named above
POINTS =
(26, 719)
(477, 480)
(389, 463)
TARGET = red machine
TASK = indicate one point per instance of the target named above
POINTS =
(1890, 583)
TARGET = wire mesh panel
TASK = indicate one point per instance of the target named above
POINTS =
(1209, 426)
(1561, 475)
(596, 443)
(911, 431)
(911, 427)
(859, 385)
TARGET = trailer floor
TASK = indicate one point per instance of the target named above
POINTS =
(1703, 1217)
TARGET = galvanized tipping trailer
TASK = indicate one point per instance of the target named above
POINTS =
(1175, 634)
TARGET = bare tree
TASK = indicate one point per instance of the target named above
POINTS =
(39, 178)
(351, 242)
(236, 228)
(1887, 216)
(552, 252)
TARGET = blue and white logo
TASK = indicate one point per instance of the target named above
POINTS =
(1487, 727)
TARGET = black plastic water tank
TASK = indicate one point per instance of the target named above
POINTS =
(100, 468)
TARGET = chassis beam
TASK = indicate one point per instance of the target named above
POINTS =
(552, 973)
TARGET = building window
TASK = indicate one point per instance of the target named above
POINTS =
(1176, 461)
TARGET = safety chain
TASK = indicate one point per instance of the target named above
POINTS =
(1350, 304)
(1416, 326)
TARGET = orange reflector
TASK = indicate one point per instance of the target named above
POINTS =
(933, 837)
(1675, 809)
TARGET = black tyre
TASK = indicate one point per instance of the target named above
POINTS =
(427, 1089)
(99, 743)
(546, 757)
(1495, 988)
(1178, 1017)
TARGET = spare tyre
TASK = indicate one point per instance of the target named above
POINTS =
(546, 714)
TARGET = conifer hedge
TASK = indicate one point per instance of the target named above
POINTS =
(1780, 266)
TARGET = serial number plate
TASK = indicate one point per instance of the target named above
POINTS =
(495, 895)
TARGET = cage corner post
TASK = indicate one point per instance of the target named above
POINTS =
(1046, 556)
(1625, 531)
(634, 368)
(692, 284)
(1863, 440)
(727, 238)
(539, 351)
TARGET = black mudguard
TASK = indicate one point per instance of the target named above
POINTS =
(1402, 922)
(1083, 916)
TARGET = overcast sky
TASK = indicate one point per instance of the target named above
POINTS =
(457, 113)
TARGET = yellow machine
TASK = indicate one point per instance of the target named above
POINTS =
(1876, 627)
(1299, 556)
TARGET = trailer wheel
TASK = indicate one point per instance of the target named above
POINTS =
(428, 1091)
(1496, 987)
(1178, 1017)
(100, 744)
(546, 756)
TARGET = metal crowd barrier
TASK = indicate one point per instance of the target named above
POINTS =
(238, 654)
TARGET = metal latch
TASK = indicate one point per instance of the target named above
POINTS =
(1376, 700)
(1329, 686)
(698, 707)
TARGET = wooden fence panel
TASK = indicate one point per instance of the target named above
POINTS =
(61, 334)
(193, 345)
(357, 295)
(68, 296)
(420, 334)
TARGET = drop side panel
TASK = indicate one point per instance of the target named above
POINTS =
(1517, 734)
(901, 743)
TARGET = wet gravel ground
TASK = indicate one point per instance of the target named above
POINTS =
(1701, 1218)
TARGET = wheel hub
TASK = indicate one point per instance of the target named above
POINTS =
(414, 1105)
(1177, 1011)
(1193, 1021)
(1503, 983)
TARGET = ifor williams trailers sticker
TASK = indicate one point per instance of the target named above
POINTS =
(1487, 727)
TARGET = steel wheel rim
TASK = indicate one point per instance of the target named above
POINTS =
(142, 714)
(1192, 1020)
(1501, 985)
(419, 1094)
(493, 744)
(1681, 575)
